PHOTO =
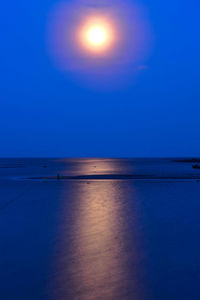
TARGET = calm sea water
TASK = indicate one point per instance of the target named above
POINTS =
(98, 233)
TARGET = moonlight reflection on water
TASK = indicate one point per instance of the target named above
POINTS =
(98, 255)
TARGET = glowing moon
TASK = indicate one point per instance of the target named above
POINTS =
(96, 34)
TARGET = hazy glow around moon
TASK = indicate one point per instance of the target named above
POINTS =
(99, 42)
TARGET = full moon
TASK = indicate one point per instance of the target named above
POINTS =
(96, 35)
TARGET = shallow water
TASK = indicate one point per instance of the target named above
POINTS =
(99, 237)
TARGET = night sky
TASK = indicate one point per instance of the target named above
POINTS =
(46, 111)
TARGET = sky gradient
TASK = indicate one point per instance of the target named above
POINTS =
(47, 113)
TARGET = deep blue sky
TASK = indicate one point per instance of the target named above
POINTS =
(44, 112)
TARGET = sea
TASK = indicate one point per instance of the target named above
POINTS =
(99, 229)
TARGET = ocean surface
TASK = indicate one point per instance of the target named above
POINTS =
(99, 229)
